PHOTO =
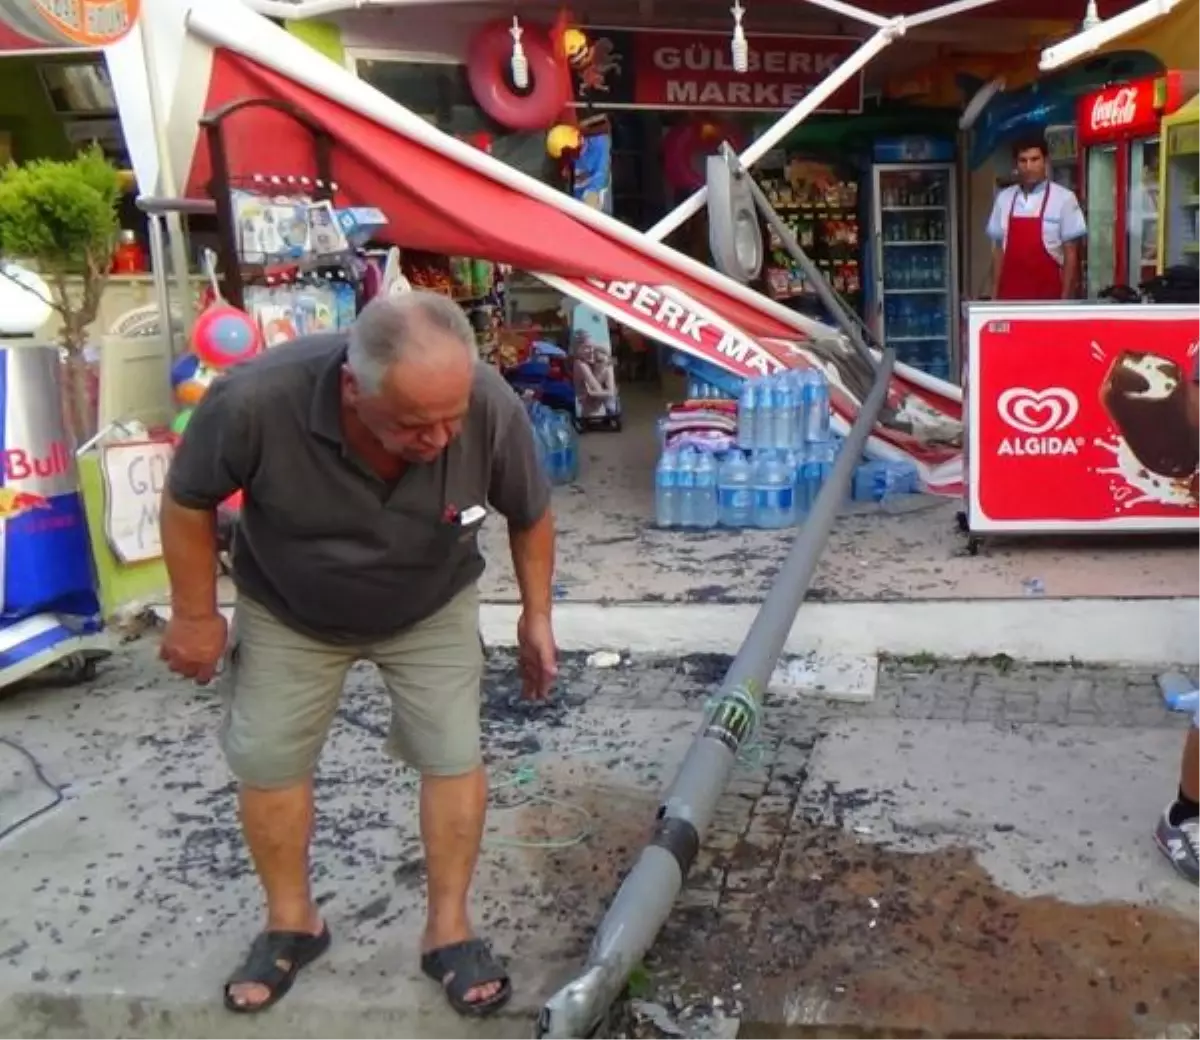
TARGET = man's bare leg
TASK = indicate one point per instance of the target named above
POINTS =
(278, 828)
(1189, 776)
(452, 816)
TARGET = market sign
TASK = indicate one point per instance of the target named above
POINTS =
(52, 24)
(681, 69)
(1129, 109)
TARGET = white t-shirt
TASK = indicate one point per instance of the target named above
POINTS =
(1063, 221)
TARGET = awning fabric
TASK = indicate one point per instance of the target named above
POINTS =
(432, 202)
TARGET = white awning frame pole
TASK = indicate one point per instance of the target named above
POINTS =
(1091, 40)
(891, 30)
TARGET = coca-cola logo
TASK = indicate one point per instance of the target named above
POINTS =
(1110, 112)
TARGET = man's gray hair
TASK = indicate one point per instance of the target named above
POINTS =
(389, 329)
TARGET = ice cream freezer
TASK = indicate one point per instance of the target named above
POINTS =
(1080, 419)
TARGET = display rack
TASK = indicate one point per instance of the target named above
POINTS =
(822, 212)
(282, 254)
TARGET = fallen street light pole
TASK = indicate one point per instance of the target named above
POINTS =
(646, 896)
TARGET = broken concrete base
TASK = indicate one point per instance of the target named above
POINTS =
(1006, 862)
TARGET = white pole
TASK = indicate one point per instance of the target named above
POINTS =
(1090, 40)
(807, 105)
(850, 11)
(889, 31)
(167, 187)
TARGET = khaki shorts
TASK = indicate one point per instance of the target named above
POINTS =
(282, 691)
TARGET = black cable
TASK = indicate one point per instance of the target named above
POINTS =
(43, 779)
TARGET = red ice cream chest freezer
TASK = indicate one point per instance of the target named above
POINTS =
(1081, 419)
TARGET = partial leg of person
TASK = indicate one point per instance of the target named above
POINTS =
(1178, 831)
(283, 690)
(433, 673)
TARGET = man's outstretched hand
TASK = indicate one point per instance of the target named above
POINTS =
(538, 656)
(193, 646)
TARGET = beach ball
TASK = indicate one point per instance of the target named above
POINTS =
(190, 379)
(224, 336)
(179, 423)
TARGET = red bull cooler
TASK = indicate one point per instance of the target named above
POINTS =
(50, 609)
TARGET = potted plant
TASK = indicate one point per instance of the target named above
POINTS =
(60, 217)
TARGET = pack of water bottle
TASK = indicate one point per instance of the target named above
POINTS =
(878, 479)
(557, 443)
(769, 488)
(783, 412)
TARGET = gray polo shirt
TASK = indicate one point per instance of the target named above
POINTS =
(324, 544)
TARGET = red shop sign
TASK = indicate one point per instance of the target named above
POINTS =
(1082, 422)
(677, 69)
(1129, 109)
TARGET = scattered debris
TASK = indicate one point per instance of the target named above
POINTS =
(604, 659)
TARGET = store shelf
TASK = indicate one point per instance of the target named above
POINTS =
(941, 291)
(916, 242)
(1192, 200)
(917, 339)
(911, 209)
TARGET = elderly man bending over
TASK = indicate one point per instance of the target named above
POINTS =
(366, 459)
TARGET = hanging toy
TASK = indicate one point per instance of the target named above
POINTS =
(739, 47)
(190, 378)
(224, 335)
(180, 422)
(520, 64)
(564, 142)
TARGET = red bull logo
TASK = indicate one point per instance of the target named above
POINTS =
(21, 464)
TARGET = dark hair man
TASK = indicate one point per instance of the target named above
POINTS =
(1035, 228)
(366, 459)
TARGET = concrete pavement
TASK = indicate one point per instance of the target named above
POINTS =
(968, 853)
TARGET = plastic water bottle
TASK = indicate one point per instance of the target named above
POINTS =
(785, 413)
(816, 407)
(774, 492)
(705, 510)
(686, 482)
(798, 379)
(810, 479)
(735, 492)
(564, 454)
(666, 490)
(747, 415)
(764, 427)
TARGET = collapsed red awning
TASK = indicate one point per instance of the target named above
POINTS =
(432, 201)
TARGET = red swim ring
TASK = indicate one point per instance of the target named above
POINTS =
(489, 60)
(687, 145)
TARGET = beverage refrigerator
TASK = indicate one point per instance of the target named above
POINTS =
(1179, 189)
(1063, 144)
(914, 233)
(1120, 146)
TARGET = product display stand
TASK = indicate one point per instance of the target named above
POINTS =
(285, 257)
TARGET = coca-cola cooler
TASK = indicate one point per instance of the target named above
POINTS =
(1119, 155)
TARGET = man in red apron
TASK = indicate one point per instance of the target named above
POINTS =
(1035, 228)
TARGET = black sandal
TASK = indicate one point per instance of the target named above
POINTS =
(274, 961)
(460, 968)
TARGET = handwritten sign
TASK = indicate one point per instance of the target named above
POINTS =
(135, 473)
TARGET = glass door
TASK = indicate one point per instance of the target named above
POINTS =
(1142, 214)
(1101, 262)
(916, 271)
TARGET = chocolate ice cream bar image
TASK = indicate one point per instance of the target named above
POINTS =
(1146, 396)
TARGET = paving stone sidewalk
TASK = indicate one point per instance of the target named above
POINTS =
(966, 854)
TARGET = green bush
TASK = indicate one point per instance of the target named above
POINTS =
(61, 218)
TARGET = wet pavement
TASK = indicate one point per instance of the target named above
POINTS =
(908, 548)
(967, 853)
